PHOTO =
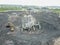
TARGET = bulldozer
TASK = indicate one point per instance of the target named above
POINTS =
(10, 26)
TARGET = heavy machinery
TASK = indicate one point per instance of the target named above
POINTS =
(29, 23)
(10, 26)
(11, 18)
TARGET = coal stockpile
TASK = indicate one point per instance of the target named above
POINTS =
(48, 20)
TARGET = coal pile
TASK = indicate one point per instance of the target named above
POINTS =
(49, 22)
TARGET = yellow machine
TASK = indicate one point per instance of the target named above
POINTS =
(10, 26)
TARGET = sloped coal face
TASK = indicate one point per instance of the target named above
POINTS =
(48, 21)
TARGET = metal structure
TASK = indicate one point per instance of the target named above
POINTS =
(29, 22)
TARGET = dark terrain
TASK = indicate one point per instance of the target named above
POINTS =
(50, 30)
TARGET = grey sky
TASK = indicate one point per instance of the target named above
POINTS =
(32, 2)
